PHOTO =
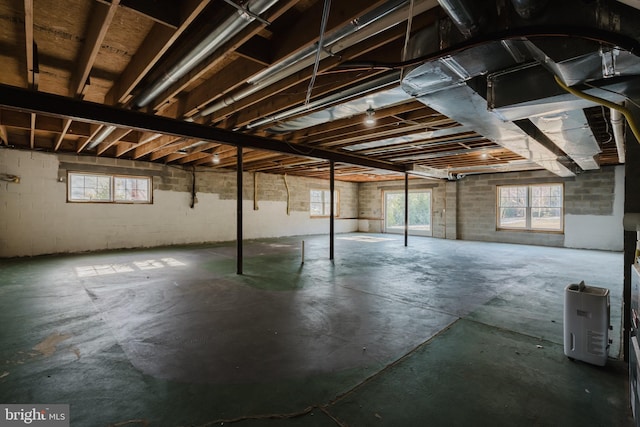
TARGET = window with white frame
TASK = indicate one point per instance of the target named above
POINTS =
(320, 203)
(102, 188)
(531, 207)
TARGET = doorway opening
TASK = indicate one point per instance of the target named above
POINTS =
(419, 212)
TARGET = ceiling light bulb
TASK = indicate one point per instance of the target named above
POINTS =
(369, 119)
(216, 158)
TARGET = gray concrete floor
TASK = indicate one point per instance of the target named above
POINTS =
(443, 333)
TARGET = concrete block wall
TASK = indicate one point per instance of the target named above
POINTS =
(593, 209)
(38, 220)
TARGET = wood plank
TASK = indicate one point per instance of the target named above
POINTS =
(147, 137)
(174, 147)
(228, 79)
(164, 99)
(306, 31)
(101, 18)
(28, 32)
(15, 98)
(124, 147)
(32, 132)
(371, 44)
(113, 137)
(165, 12)
(65, 128)
(94, 129)
(4, 136)
(153, 145)
(154, 46)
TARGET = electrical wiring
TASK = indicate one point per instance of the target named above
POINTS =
(592, 34)
(323, 26)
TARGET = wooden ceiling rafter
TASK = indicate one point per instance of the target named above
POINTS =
(154, 46)
(354, 52)
(112, 139)
(385, 127)
(29, 43)
(63, 133)
(32, 131)
(83, 142)
(378, 134)
(155, 144)
(301, 35)
(179, 144)
(170, 94)
(164, 12)
(99, 23)
(317, 131)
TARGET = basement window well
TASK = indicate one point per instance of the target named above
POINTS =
(102, 188)
(530, 207)
(320, 203)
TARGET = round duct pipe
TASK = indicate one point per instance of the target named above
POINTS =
(528, 9)
(460, 12)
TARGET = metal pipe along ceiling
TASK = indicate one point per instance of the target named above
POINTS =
(229, 28)
(460, 13)
(371, 23)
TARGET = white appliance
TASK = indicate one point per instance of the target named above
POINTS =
(586, 323)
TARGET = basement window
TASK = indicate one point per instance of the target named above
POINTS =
(531, 207)
(101, 188)
(321, 202)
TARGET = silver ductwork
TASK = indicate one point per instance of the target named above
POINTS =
(100, 136)
(224, 32)
(570, 131)
(462, 15)
(346, 107)
(505, 89)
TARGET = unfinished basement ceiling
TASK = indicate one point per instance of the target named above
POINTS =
(471, 91)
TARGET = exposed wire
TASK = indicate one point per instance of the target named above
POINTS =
(286, 185)
(255, 191)
(406, 37)
(600, 36)
(606, 124)
(323, 26)
(193, 187)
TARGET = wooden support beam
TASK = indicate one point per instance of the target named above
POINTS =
(124, 147)
(101, 18)
(94, 129)
(4, 136)
(154, 46)
(14, 98)
(165, 12)
(65, 128)
(32, 131)
(28, 35)
(227, 80)
(216, 58)
(172, 148)
(151, 146)
(110, 140)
